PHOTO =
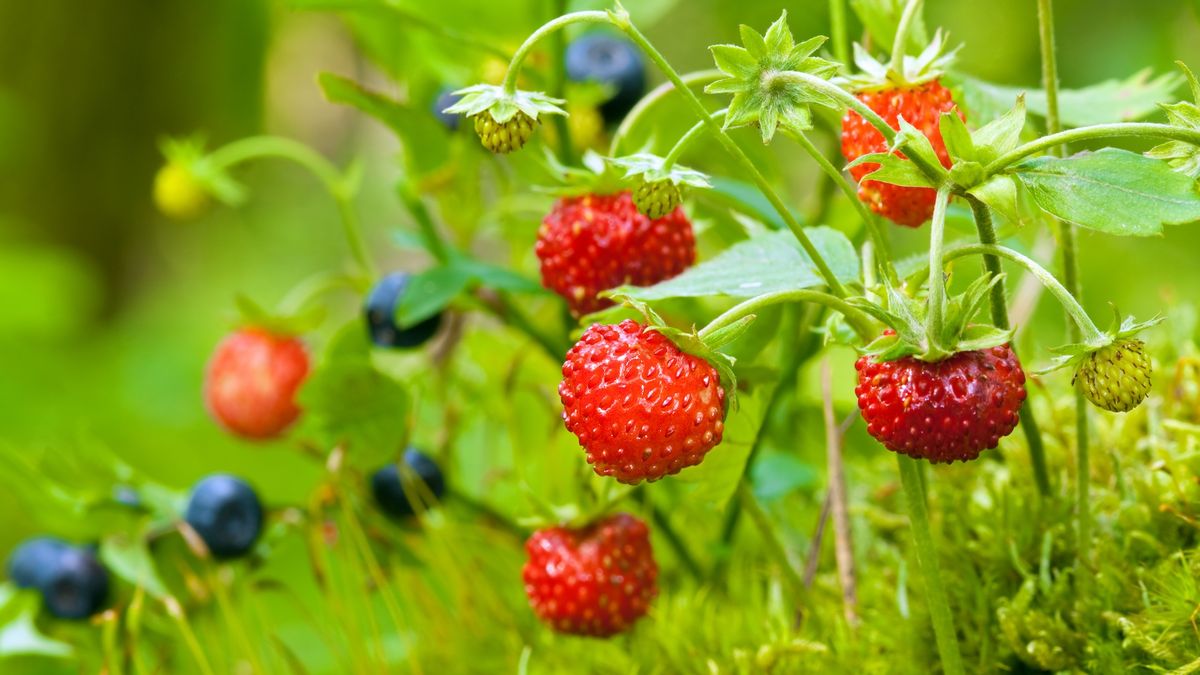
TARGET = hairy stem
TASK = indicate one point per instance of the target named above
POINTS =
(935, 591)
(999, 305)
(937, 279)
(755, 304)
(651, 99)
(514, 67)
(1092, 133)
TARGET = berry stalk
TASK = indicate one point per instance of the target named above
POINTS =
(935, 591)
(937, 279)
(999, 306)
(514, 67)
(648, 101)
(901, 40)
(748, 307)
(1092, 133)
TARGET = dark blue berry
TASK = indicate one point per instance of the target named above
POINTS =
(445, 99)
(380, 310)
(612, 61)
(393, 497)
(77, 585)
(32, 561)
(226, 513)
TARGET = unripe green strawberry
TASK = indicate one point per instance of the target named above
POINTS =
(503, 138)
(656, 199)
(1117, 377)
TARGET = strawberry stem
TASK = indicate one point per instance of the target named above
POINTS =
(937, 280)
(837, 31)
(853, 315)
(649, 100)
(935, 591)
(514, 67)
(1091, 133)
(687, 138)
(900, 43)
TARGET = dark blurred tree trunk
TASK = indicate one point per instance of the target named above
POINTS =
(86, 90)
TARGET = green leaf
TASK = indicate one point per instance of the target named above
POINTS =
(881, 18)
(130, 559)
(19, 636)
(765, 264)
(429, 292)
(1133, 98)
(351, 402)
(499, 278)
(777, 474)
(956, 136)
(1003, 195)
(894, 169)
(1113, 191)
(723, 336)
(1001, 134)
(714, 480)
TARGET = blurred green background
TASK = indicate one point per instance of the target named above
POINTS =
(108, 311)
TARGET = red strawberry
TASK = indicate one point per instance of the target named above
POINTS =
(594, 581)
(641, 407)
(252, 382)
(921, 106)
(593, 243)
(945, 411)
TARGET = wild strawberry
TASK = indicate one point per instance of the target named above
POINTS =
(503, 137)
(177, 193)
(949, 410)
(1117, 377)
(641, 407)
(593, 243)
(920, 105)
(656, 199)
(252, 382)
(595, 581)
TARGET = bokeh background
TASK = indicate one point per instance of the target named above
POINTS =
(108, 310)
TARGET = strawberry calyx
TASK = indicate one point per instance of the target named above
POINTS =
(656, 181)
(280, 323)
(763, 95)
(910, 336)
(927, 66)
(502, 105)
(189, 156)
(1120, 330)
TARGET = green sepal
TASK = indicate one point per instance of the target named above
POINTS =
(897, 169)
(1121, 328)
(652, 169)
(596, 176)
(929, 65)
(502, 105)
(1180, 155)
(302, 320)
(190, 154)
(759, 97)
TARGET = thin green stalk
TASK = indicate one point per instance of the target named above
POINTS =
(663, 524)
(1091, 334)
(176, 612)
(233, 620)
(257, 147)
(775, 547)
(748, 307)
(514, 67)
(558, 84)
(687, 139)
(1070, 266)
(999, 304)
(737, 153)
(838, 35)
(937, 279)
(1092, 133)
(430, 236)
(874, 231)
(901, 41)
(651, 99)
(935, 591)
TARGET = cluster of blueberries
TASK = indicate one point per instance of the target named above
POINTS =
(224, 511)
(599, 57)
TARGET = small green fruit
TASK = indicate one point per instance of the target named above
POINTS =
(503, 138)
(178, 194)
(1116, 377)
(656, 199)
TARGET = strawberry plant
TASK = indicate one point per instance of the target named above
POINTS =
(558, 402)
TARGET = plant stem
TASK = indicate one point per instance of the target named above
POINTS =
(937, 278)
(935, 592)
(1091, 133)
(901, 41)
(848, 188)
(843, 545)
(558, 83)
(840, 43)
(257, 147)
(1070, 267)
(748, 307)
(432, 239)
(514, 67)
(176, 612)
(1091, 334)
(663, 524)
(775, 547)
(686, 140)
(649, 100)
(999, 304)
(739, 156)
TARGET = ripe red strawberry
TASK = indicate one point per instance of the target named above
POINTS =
(593, 243)
(252, 381)
(945, 411)
(922, 106)
(594, 581)
(641, 407)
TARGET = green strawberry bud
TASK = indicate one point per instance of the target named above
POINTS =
(503, 138)
(1116, 377)
(656, 199)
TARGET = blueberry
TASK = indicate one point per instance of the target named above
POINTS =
(34, 560)
(226, 513)
(380, 309)
(391, 495)
(445, 99)
(612, 61)
(77, 585)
